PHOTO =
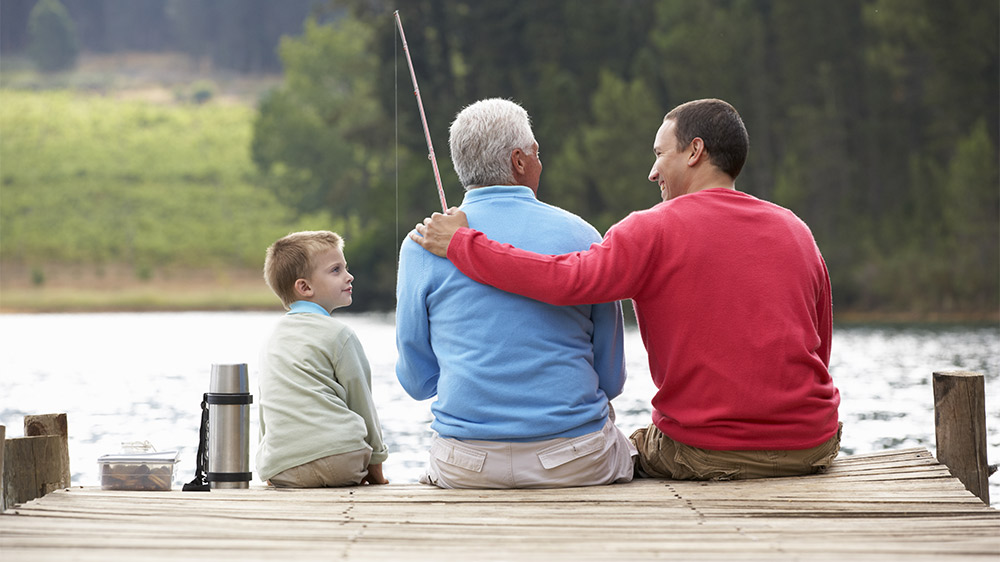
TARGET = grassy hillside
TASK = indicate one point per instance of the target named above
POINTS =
(130, 192)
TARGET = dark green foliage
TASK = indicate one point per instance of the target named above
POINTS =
(317, 136)
(322, 142)
(239, 35)
(52, 37)
(876, 121)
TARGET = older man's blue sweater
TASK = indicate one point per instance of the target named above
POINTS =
(504, 367)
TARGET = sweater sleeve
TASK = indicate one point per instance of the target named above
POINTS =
(609, 347)
(607, 272)
(354, 373)
(416, 366)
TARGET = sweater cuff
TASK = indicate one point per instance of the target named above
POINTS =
(379, 457)
(460, 243)
(462, 238)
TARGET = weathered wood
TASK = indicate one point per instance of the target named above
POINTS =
(37, 463)
(960, 428)
(51, 424)
(45, 424)
(915, 510)
(3, 447)
(32, 468)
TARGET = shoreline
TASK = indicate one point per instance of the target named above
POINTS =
(86, 288)
(241, 298)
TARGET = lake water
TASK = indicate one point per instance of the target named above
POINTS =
(140, 377)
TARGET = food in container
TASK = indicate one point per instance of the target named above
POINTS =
(152, 471)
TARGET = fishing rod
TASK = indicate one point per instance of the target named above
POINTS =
(423, 119)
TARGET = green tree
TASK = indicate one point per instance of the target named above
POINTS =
(52, 37)
(318, 138)
(934, 78)
(323, 144)
(548, 56)
(718, 49)
(854, 108)
(608, 159)
(804, 123)
(971, 213)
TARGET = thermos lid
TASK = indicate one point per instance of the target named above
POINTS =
(229, 378)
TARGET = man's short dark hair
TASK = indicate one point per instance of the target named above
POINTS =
(719, 125)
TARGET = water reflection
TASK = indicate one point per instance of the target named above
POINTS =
(135, 377)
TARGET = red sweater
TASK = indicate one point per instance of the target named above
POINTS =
(734, 307)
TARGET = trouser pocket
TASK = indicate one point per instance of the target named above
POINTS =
(558, 455)
(458, 456)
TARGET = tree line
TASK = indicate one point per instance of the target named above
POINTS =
(238, 35)
(876, 121)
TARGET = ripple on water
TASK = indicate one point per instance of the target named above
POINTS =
(135, 377)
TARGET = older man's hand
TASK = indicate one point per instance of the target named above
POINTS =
(437, 230)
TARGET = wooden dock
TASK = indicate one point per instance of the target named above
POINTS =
(897, 505)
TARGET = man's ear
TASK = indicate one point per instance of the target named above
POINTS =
(518, 165)
(696, 151)
(302, 288)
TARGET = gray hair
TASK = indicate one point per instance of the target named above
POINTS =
(483, 135)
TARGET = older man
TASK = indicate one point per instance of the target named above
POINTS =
(523, 388)
(732, 297)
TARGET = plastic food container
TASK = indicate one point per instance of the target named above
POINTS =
(138, 471)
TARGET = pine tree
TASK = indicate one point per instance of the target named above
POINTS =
(52, 42)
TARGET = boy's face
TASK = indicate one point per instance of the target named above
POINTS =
(329, 283)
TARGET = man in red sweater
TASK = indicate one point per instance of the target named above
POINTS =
(732, 298)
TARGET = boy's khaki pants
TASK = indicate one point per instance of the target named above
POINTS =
(662, 457)
(345, 469)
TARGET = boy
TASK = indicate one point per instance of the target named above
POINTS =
(318, 425)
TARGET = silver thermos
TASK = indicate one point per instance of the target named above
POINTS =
(229, 402)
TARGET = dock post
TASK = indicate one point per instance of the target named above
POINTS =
(37, 463)
(960, 428)
(51, 424)
(3, 446)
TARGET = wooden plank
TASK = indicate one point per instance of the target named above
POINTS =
(37, 425)
(960, 428)
(33, 467)
(371, 543)
(903, 514)
(3, 446)
(37, 463)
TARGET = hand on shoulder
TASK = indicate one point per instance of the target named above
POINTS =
(437, 230)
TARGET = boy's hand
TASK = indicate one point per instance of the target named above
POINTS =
(437, 230)
(374, 475)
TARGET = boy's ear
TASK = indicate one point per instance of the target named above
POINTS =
(302, 288)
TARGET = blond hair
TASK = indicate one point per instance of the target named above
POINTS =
(291, 258)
